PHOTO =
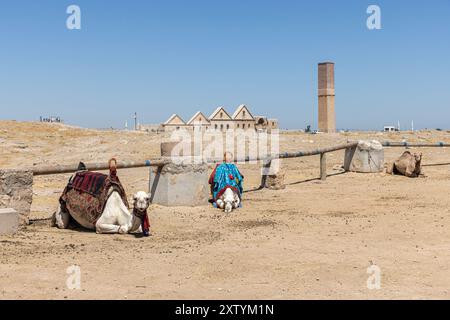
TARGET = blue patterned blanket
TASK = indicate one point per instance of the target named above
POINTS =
(226, 175)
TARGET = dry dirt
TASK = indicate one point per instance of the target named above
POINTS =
(312, 240)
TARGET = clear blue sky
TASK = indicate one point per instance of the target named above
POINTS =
(164, 57)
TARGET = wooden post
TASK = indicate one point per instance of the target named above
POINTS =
(323, 166)
(150, 180)
(46, 170)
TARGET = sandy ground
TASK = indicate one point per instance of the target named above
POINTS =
(312, 240)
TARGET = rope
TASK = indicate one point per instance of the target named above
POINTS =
(370, 158)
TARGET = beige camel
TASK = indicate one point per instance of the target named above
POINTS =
(409, 164)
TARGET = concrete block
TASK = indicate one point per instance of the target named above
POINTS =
(181, 185)
(16, 191)
(367, 157)
(9, 221)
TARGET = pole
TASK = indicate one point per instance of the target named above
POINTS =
(414, 145)
(45, 170)
(323, 166)
(150, 180)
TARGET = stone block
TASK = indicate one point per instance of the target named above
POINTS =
(9, 221)
(181, 185)
(16, 191)
(367, 156)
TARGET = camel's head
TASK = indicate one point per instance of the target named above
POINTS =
(141, 201)
(231, 200)
(418, 157)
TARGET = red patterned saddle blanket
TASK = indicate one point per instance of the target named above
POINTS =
(87, 192)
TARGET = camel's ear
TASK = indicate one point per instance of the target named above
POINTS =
(149, 196)
(134, 197)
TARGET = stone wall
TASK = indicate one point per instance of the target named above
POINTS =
(16, 191)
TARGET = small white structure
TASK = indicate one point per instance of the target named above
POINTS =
(390, 129)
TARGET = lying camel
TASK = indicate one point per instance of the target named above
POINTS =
(226, 184)
(98, 202)
(229, 200)
(409, 164)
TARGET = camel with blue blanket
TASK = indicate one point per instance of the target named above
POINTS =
(226, 185)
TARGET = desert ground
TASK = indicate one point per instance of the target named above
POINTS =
(313, 240)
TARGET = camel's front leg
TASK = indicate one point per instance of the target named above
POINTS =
(390, 168)
(110, 228)
(105, 225)
(61, 218)
(410, 172)
(220, 203)
(237, 201)
(106, 228)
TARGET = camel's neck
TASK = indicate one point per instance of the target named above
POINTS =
(135, 221)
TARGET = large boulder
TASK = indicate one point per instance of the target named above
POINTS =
(367, 156)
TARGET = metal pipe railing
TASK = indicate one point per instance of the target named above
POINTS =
(414, 145)
(347, 145)
(59, 169)
(286, 155)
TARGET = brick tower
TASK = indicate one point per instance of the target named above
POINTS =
(327, 117)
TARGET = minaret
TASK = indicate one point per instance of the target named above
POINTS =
(327, 117)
